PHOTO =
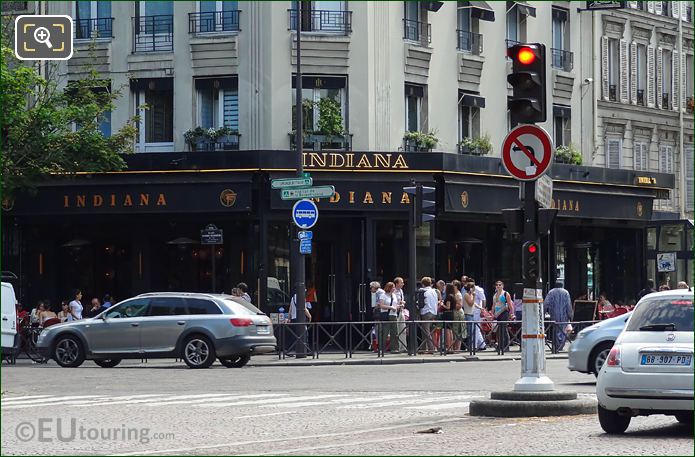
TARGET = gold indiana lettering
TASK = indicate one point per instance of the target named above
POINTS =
(565, 205)
(113, 200)
(369, 161)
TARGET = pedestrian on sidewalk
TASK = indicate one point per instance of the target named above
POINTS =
(244, 291)
(389, 307)
(76, 307)
(403, 314)
(558, 305)
(458, 327)
(503, 310)
(428, 312)
(299, 332)
(448, 308)
(479, 302)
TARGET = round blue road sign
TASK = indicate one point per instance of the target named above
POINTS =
(305, 214)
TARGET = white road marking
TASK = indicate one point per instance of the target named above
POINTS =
(408, 401)
(272, 402)
(149, 400)
(58, 401)
(264, 415)
(366, 399)
(437, 407)
(26, 397)
(297, 438)
(203, 400)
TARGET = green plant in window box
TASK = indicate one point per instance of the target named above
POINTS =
(568, 154)
(196, 138)
(476, 146)
(420, 141)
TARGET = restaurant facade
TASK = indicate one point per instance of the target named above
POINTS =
(138, 230)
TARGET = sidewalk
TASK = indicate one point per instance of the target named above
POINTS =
(370, 358)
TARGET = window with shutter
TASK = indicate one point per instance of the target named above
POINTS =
(633, 5)
(675, 9)
(650, 76)
(659, 76)
(684, 10)
(641, 159)
(686, 79)
(613, 153)
(689, 178)
(658, 7)
(230, 109)
(650, 7)
(624, 80)
(604, 67)
(666, 159)
(675, 80)
(633, 73)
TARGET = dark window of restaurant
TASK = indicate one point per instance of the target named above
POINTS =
(562, 118)
(414, 108)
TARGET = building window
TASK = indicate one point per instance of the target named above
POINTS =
(218, 103)
(414, 27)
(562, 122)
(315, 89)
(689, 101)
(641, 159)
(92, 19)
(469, 115)
(666, 159)
(413, 108)
(614, 151)
(667, 63)
(154, 103)
(153, 26)
(689, 177)
(561, 55)
(613, 69)
(512, 23)
(641, 68)
(105, 124)
(322, 16)
(214, 16)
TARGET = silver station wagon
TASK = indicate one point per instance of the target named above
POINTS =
(195, 327)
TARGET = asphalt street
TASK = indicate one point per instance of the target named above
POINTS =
(163, 408)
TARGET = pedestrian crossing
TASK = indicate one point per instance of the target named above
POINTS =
(265, 402)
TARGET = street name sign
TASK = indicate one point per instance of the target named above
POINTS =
(211, 235)
(527, 152)
(305, 246)
(307, 192)
(305, 214)
(544, 191)
(291, 183)
(305, 234)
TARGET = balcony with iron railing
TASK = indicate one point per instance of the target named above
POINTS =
(470, 42)
(613, 92)
(420, 32)
(564, 60)
(640, 97)
(214, 21)
(93, 28)
(153, 33)
(325, 21)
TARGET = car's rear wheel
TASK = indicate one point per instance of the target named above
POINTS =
(198, 351)
(68, 352)
(612, 422)
(107, 363)
(599, 356)
(685, 418)
(237, 361)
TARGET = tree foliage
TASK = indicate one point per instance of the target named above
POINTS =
(52, 128)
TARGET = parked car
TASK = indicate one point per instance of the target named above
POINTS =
(10, 341)
(649, 370)
(591, 346)
(192, 326)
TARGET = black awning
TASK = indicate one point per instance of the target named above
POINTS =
(224, 82)
(562, 111)
(473, 100)
(138, 84)
(432, 6)
(526, 9)
(482, 11)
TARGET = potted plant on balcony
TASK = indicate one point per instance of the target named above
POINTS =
(476, 146)
(420, 141)
(330, 123)
(227, 137)
(568, 154)
(196, 138)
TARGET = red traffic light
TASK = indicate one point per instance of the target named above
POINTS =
(532, 248)
(526, 56)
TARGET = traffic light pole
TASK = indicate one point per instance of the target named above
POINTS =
(412, 280)
(533, 376)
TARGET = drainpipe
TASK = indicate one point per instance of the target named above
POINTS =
(682, 84)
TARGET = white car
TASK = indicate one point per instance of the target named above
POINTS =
(649, 370)
(590, 348)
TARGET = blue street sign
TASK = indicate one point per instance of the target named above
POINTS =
(305, 247)
(306, 235)
(305, 214)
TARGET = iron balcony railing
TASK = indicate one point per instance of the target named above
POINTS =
(328, 21)
(470, 42)
(612, 92)
(214, 21)
(640, 97)
(420, 32)
(93, 28)
(562, 59)
(153, 33)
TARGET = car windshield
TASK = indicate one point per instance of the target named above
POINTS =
(663, 314)
(242, 307)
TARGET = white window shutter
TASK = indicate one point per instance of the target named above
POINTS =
(684, 10)
(650, 7)
(675, 9)
(675, 80)
(689, 178)
(637, 156)
(645, 157)
(658, 8)
(624, 80)
(651, 90)
(633, 73)
(604, 67)
(613, 154)
(632, 5)
(683, 80)
(659, 76)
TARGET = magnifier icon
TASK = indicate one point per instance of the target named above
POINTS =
(43, 36)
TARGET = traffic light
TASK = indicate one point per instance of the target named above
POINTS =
(531, 261)
(527, 104)
(422, 210)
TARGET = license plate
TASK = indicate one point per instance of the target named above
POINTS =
(666, 359)
(263, 330)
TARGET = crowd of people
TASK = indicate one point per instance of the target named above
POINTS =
(45, 314)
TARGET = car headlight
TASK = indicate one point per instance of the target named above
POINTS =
(585, 333)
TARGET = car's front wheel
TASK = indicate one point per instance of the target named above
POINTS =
(236, 361)
(685, 418)
(68, 352)
(599, 356)
(198, 351)
(612, 422)
(107, 363)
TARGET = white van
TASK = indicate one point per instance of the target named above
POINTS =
(9, 319)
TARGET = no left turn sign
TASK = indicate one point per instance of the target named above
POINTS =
(527, 152)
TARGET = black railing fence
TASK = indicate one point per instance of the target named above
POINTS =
(214, 21)
(93, 28)
(153, 33)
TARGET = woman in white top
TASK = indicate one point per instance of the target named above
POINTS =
(75, 305)
(389, 306)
